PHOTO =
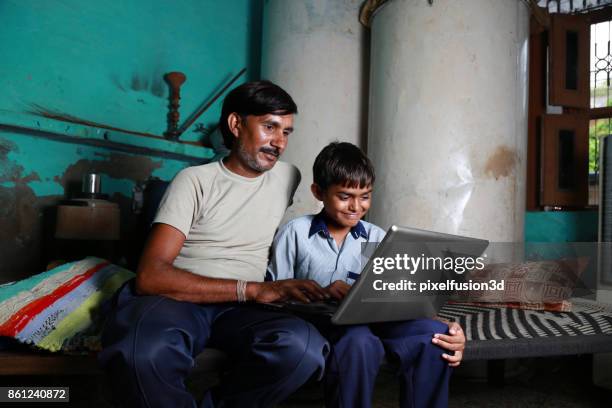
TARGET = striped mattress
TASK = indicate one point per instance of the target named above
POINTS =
(498, 332)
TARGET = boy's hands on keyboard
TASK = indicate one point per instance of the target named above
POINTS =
(338, 289)
(304, 290)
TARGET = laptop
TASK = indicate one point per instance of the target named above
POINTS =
(402, 278)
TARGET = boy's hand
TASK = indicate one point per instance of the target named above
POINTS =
(455, 341)
(303, 290)
(338, 289)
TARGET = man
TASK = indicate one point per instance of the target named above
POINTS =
(207, 250)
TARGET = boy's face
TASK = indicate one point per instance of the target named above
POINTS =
(344, 206)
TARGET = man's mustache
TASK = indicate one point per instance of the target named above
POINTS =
(270, 150)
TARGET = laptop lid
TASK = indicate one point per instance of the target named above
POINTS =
(403, 277)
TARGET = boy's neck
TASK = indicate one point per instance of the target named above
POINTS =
(337, 232)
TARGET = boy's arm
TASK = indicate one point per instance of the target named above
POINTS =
(283, 254)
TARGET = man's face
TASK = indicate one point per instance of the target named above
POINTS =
(344, 206)
(261, 140)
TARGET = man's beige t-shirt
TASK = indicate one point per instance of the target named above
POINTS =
(228, 220)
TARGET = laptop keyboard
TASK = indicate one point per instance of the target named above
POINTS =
(324, 306)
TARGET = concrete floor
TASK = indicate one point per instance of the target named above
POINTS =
(563, 382)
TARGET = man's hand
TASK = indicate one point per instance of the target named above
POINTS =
(338, 289)
(300, 289)
(453, 342)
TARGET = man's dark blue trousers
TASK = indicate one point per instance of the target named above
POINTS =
(150, 344)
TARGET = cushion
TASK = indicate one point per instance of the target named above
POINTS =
(60, 309)
(534, 284)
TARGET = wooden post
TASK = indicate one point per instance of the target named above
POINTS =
(174, 80)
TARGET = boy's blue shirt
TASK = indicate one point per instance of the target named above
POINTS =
(304, 249)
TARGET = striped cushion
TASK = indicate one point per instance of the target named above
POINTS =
(55, 310)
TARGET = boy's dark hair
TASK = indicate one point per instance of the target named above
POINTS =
(345, 164)
(254, 98)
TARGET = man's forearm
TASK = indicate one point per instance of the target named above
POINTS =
(158, 278)
(157, 275)
(167, 280)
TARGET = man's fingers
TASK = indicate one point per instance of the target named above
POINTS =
(307, 289)
(297, 293)
(338, 290)
(335, 293)
(313, 288)
(311, 294)
(342, 292)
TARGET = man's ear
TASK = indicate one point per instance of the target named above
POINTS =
(316, 191)
(234, 122)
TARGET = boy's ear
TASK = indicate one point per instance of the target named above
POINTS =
(234, 122)
(316, 191)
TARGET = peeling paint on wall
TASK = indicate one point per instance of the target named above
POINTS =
(104, 63)
(501, 163)
(10, 171)
(119, 166)
(23, 226)
(27, 218)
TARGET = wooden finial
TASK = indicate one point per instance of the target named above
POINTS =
(174, 80)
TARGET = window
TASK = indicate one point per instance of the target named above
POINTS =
(600, 99)
(570, 103)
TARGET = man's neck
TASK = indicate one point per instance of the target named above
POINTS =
(233, 164)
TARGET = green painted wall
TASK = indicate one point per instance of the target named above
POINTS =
(546, 235)
(561, 226)
(103, 62)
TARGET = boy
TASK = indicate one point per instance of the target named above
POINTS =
(326, 248)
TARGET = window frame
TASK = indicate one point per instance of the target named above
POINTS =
(540, 29)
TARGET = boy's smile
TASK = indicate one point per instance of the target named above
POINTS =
(344, 206)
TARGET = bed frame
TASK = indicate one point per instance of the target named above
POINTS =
(493, 334)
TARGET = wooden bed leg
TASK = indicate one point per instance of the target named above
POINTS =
(495, 372)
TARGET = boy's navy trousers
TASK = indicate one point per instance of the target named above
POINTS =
(357, 352)
(150, 343)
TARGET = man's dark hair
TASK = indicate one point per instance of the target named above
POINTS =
(345, 164)
(254, 98)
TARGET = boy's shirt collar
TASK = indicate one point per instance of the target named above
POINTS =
(318, 225)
